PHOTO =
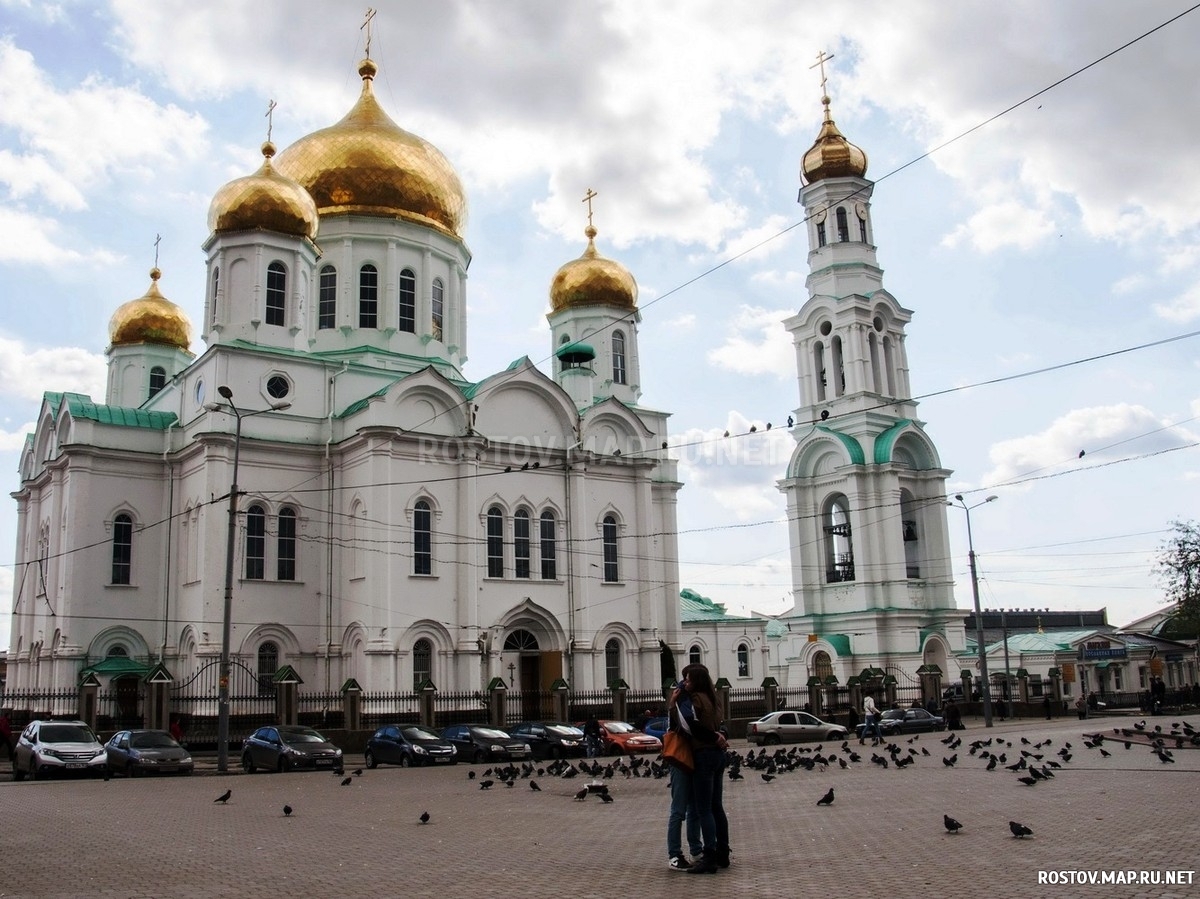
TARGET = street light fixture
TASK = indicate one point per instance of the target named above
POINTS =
(223, 682)
(985, 691)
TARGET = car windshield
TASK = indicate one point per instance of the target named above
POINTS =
(489, 733)
(564, 730)
(301, 736)
(67, 733)
(619, 727)
(152, 741)
(419, 733)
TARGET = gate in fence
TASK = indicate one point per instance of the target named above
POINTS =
(194, 703)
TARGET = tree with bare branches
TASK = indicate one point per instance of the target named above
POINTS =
(1178, 568)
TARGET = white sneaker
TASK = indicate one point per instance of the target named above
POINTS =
(679, 863)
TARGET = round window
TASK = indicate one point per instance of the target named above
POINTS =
(878, 323)
(278, 386)
(826, 328)
(200, 392)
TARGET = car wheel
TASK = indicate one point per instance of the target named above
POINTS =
(479, 758)
(771, 739)
(248, 763)
(282, 765)
(132, 770)
(405, 761)
(34, 773)
(369, 756)
(18, 774)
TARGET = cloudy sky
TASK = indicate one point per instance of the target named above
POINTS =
(1051, 255)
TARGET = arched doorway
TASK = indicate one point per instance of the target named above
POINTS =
(525, 674)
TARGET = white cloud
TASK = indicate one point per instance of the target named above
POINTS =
(27, 238)
(1182, 309)
(14, 441)
(27, 372)
(757, 344)
(1003, 224)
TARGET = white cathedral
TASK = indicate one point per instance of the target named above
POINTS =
(396, 522)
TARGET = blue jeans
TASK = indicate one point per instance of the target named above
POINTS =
(682, 808)
(707, 789)
(871, 726)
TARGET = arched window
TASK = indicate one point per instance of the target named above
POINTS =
(422, 538)
(158, 379)
(822, 665)
(117, 652)
(521, 552)
(368, 297)
(910, 534)
(520, 640)
(276, 293)
(122, 549)
(862, 229)
(618, 357)
(422, 662)
(548, 527)
(495, 542)
(839, 370)
(286, 563)
(438, 308)
(408, 301)
(694, 655)
(268, 664)
(256, 543)
(216, 289)
(843, 226)
(609, 538)
(327, 299)
(743, 657)
(612, 661)
(839, 550)
(819, 379)
(821, 239)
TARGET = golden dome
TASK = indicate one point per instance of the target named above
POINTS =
(265, 200)
(592, 280)
(366, 164)
(831, 155)
(150, 319)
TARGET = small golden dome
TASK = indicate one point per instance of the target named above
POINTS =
(150, 319)
(592, 280)
(265, 200)
(831, 155)
(366, 164)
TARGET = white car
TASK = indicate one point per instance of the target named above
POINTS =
(793, 727)
(58, 747)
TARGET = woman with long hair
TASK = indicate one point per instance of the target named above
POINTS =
(701, 717)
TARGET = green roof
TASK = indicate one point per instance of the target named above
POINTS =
(115, 666)
(694, 607)
(853, 448)
(840, 642)
(81, 406)
(887, 440)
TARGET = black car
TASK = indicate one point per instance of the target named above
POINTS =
(551, 739)
(286, 747)
(134, 752)
(907, 721)
(408, 744)
(483, 743)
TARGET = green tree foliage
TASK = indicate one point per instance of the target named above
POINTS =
(1178, 568)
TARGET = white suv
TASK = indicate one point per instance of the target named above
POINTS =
(55, 747)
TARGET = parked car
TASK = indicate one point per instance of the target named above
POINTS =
(481, 743)
(907, 721)
(136, 752)
(408, 744)
(551, 739)
(656, 727)
(58, 747)
(286, 747)
(793, 727)
(621, 737)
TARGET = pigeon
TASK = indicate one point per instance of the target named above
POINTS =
(605, 797)
(287, 811)
(1105, 753)
(424, 819)
(533, 785)
(1020, 831)
(991, 764)
(347, 781)
(951, 825)
(581, 795)
(470, 775)
(357, 772)
(486, 784)
(951, 761)
(224, 797)
(767, 778)
(1028, 781)
(827, 799)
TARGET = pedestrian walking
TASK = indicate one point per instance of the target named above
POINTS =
(871, 721)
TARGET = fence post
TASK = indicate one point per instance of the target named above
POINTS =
(1023, 684)
(89, 689)
(352, 705)
(966, 682)
(1056, 696)
(158, 682)
(287, 704)
(620, 690)
(497, 692)
(814, 695)
(889, 690)
(723, 687)
(427, 694)
(854, 691)
(770, 688)
(561, 690)
(830, 694)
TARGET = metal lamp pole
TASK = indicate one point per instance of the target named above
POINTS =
(227, 613)
(985, 691)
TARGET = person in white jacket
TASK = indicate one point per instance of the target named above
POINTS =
(871, 722)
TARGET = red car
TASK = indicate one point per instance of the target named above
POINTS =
(621, 737)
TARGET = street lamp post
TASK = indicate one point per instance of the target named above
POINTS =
(985, 691)
(230, 541)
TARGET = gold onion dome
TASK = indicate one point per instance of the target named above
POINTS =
(265, 200)
(831, 155)
(150, 319)
(366, 164)
(592, 280)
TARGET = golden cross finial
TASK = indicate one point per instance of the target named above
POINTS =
(157, 241)
(270, 118)
(367, 25)
(822, 58)
(588, 199)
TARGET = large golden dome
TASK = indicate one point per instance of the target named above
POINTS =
(831, 155)
(366, 164)
(264, 200)
(150, 319)
(592, 280)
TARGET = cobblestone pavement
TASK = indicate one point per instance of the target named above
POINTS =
(883, 835)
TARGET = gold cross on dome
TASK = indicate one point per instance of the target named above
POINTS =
(157, 241)
(270, 118)
(367, 25)
(822, 58)
(588, 197)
